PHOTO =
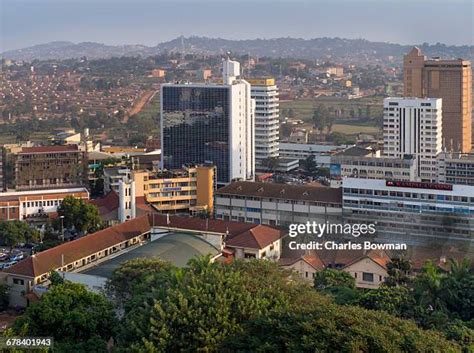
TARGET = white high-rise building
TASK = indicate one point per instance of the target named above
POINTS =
(267, 125)
(210, 123)
(413, 126)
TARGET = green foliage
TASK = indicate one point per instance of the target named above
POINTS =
(309, 164)
(4, 296)
(55, 278)
(321, 118)
(394, 300)
(14, 232)
(332, 328)
(248, 307)
(434, 300)
(333, 278)
(72, 315)
(398, 270)
(79, 214)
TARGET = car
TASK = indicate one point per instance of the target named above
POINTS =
(3, 257)
(17, 257)
(9, 264)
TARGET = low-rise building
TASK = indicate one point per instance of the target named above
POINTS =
(93, 257)
(188, 190)
(415, 212)
(113, 176)
(369, 268)
(277, 204)
(456, 168)
(48, 167)
(374, 167)
(38, 204)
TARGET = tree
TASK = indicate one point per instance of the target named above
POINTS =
(4, 296)
(398, 270)
(14, 232)
(81, 215)
(394, 300)
(333, 278)
(72, 315)
(321, 118)
(332, 328)
(271, 163)
(55, 278)
(309, 164)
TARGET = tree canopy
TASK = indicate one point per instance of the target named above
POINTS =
(73, 316)
(81, 215)
(14, 232)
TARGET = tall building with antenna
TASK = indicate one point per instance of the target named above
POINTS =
(211, 124)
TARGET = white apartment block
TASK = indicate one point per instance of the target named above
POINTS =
(413, 126)
(265, 94)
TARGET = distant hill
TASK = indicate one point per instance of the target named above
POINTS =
(337, 49)
(69, 50)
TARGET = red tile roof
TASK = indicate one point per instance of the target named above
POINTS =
(253, 235)
(200, 224)
(107, 205)
(258, 237)
(72, 251)
(310, 258)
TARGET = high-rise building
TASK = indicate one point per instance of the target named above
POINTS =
(413, 127)
(210, 123)
(265, 93)
(450, 80)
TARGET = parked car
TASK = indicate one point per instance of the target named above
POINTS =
(17, 256)
(4, 256)
(8, 264)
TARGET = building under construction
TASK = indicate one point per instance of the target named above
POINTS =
(49, 167)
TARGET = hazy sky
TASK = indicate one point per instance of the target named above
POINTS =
(27, 22)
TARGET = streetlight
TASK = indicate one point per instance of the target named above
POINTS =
(62, 227)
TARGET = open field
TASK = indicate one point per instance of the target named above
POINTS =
(303, 108)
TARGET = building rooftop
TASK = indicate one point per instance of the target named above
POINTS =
(258, 237)
(54, 258)
(283, 191)
(177, 248)
(49, 149)
(51, 259)
(356, 151)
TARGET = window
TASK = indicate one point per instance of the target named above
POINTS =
(18, 281)
(367, 277)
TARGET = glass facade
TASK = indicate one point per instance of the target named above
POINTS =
(195, 127)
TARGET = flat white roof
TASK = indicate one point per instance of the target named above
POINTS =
(45, 192)
(380, 184)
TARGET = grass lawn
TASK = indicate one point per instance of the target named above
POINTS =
(304, 108)
(355, 129)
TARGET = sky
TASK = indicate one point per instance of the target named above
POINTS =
(25, 23)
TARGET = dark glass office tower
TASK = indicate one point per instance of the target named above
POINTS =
(195, 127)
